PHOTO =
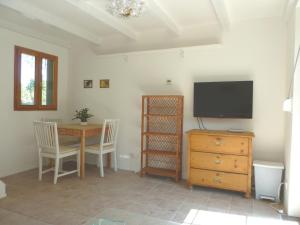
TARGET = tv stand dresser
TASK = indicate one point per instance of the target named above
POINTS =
(220, 159)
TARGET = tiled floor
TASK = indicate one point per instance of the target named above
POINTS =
(73, 201)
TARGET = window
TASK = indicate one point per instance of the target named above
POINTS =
(35, 80)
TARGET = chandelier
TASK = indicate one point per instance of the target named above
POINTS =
(126, 8)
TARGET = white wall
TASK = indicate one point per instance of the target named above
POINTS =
(292, 194)
(250, 51)
(17, 150)
(288, 119)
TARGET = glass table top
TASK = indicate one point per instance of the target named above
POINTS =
(103, 221)
(112, 216)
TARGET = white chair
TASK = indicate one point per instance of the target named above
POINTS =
(48, 147)
(108, 143)
(63, 140)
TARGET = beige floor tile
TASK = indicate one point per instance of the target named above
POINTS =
(73, 200)
(263, 208)
(185, 217)
(219, 205)
(11, 218)
(197, 197)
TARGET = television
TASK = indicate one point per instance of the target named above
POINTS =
(231, 99)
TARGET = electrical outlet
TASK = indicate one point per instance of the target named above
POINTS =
(125, 156)
(168, 82)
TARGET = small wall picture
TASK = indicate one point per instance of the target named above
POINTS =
(104, 83)
(88, 83)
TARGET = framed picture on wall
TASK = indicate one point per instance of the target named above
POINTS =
(104, 83)
(88, 83)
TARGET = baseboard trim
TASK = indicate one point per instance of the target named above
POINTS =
(2, 190)
(3, 196)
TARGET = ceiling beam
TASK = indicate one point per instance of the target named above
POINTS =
(164, 16)
(33, 12)
(221, 13)
(34, 33)
(104, 17)
(288, 9)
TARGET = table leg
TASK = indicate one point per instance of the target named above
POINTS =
(82, 155)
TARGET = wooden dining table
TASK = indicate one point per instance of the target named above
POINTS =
(81, 131)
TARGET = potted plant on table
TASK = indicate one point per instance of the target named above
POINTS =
(83, 115)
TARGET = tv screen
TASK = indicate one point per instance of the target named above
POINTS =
(231, 99)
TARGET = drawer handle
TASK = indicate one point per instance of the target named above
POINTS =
(235, 164)
(242, 150)
(218, 141)
(218, 161)
(217, 180)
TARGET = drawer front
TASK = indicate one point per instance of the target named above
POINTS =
(230, 181)
(219, 162)
(219, 144)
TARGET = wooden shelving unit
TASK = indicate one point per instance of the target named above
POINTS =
(161, 135)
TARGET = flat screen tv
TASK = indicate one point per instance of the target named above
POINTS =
(231, 99)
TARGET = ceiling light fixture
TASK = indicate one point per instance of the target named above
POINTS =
(126, 8)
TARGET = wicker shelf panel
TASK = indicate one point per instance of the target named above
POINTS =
(163, 143)
(163, 105)
(161, 124)
(162, 135)
(160, 152)
(157, 161)
(161, 115)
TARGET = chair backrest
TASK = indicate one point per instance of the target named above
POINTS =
(56, 120)
(109, 132)
(46, 136)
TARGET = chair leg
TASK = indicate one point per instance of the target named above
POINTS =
(40, 167)
(56, 170)
(78, 164)
(115, 161)
(101, 165)
(61, 165)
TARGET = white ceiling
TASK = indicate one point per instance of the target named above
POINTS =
(165, 23)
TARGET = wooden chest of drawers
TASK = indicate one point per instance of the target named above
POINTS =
(220, 159)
